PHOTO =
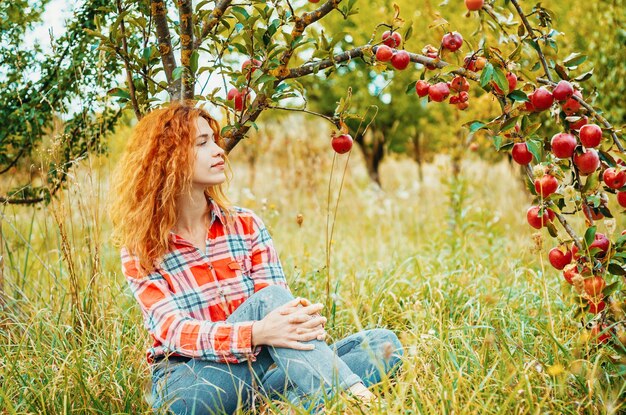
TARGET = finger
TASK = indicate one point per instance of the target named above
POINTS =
(292, 306)
(302, 330)
(300, 346)
(314, 322)
(288, 308)
(310, 336)
(298, 318)
(312, 309)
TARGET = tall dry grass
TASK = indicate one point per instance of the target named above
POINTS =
(449, 264)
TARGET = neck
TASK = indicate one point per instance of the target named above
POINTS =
(192, 211)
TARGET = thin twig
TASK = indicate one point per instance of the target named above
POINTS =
(129, 73)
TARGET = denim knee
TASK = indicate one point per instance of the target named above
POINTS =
(388, 343)
(275, 295)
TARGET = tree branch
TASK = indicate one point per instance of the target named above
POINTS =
(129, 73)
(159, 11)
(301, 24)
(185, 10)
(211, 21)
(595, 113)
(358, 52)
(529, 29)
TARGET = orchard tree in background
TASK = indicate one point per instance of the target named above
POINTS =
(573, 156)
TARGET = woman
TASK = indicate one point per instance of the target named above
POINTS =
(211, 288)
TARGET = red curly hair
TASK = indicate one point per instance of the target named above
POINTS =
(155, 168)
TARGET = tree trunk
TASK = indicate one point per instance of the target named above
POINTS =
(373, 154)
(418, 155)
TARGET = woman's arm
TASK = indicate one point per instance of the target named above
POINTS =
(266, 267)
(172, 326)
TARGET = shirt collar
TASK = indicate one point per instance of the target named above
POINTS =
(215, 211)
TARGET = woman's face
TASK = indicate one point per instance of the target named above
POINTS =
(209, 163)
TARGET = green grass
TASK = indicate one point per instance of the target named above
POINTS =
(486, 325)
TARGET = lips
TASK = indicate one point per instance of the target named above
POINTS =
(219, 163)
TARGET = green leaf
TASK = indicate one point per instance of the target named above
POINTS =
(497, 142)
(147, 53)
(119, 92)
(487, 75)
(574, 60)
(177, 72)
(500, 78)
(591, 182)
(240, 13)
(534, 44)
(590, 235)
(508, 124)
(611, 288)
(519, 96)
(410, 88)
(193, 61)
(584, 76)
(535, 149)
(475, 126)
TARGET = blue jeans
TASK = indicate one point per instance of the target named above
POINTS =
(194, 386)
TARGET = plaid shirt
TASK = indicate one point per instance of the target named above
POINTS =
(187, 299)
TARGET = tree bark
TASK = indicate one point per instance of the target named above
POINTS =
(159, 11)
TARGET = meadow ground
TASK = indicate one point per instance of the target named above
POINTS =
(485, 320)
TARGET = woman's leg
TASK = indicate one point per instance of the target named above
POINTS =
(203, 387)
(370, 354)
(219, 388)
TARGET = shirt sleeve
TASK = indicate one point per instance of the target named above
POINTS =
(176, 330)
(266, 267)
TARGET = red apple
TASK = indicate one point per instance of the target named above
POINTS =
(520, 154)
(546, 185)
(452, 41)
(384, 53)
(558, 258)
(563, 145)
(621, 199)
(342, 143)
(463, 96)
(532, 216)
(255, 63)
(594, 286)
(439, 92)
(596, 308)
(542, 99)
(528, 105)
(392, 40)
(401, 59)
(462, 105)
(431, 52)
(563, 91)
(569, 271)
(600, 338)
(614, 178)
(454, 99)
(512, 80)
(474, 4)
(422, 87)
(590, 135)
(571, 106)
(240, 98)
(600, 241)
(587, 162)
(576, 125)
(459, 84)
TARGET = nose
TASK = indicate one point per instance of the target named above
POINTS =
(218, 151)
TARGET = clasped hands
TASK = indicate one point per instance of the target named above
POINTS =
(291, 326)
